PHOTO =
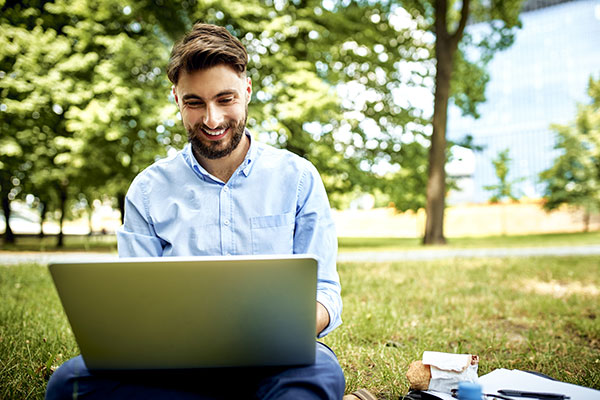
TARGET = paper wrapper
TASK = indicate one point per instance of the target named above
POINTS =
(447, 370)
(442, 371)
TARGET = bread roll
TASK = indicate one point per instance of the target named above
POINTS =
(418, 375)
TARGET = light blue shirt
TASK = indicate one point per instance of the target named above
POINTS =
(274, 203)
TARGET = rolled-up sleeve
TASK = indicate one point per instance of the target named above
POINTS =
(137, 237)
(315, 234)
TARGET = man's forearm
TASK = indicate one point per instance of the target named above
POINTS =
(322, 317)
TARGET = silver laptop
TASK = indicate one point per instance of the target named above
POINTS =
(192, 312)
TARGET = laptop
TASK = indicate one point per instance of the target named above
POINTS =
(191, 312)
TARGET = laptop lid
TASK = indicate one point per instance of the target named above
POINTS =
(191, 312)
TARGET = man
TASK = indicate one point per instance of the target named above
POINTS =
(224, 193)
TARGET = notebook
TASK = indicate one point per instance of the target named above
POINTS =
(191, 312)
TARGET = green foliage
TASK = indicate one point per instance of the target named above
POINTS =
(35, 86)
(497, 22)
(85, 101)
(302, 55)
(574, 179)
(504, 188)
(85, 96)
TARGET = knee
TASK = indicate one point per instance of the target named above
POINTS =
(60, 385)
(323, 380)
(330, 371)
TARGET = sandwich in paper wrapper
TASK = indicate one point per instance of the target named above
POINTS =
(442, 371)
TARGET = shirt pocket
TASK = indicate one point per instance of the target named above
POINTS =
(273, 234)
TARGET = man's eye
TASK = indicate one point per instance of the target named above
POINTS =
(226, 100)
(194, 103)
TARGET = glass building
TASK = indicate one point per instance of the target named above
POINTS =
(536, 82)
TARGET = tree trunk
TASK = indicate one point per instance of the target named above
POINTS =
(446, 45)
(43, 211)
(9, 236)
(63, 208)
(436, 183)
(90, 215)
(121, 201)
(586, 220)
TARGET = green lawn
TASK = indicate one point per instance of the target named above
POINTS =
(108, 243)
(98, 243)
(530, 313)
(347, 244)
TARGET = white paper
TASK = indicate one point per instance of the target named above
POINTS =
(447, 361)
(520, 380)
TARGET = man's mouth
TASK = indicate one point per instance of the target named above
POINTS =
(215, 134)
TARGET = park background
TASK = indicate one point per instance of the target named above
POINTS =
(80, 119)
(350, 85)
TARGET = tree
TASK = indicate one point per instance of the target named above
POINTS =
(326, 80)
(458, 77)
(31, 108)
(293, 47)
(80, 100)
(326, 84)
(574, 179)
(129, 122)
(505, 187)
(330, 82)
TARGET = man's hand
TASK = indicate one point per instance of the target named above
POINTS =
(322, 317)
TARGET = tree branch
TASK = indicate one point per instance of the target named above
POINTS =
(464, 16)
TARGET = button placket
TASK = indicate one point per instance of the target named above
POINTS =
(226, 221)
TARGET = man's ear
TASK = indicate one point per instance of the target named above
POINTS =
(176, 98)
(248, 89)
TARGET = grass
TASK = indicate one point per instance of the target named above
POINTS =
(34, 332)
(108, 243)
(96, 243)
(529, 313)
(351, 244)
(537, 314)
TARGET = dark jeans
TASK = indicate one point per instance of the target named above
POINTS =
(322, 380)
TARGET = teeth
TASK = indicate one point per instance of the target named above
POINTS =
(214, 133)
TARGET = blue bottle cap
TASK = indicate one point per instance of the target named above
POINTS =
(469, 391)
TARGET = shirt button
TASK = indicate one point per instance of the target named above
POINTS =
(225, 189)
(226, 222)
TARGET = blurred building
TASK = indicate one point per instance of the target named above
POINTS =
(537, 82)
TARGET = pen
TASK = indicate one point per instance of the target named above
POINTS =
(535, 395)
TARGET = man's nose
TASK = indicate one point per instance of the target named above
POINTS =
(214, 116)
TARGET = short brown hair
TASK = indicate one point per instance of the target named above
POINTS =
(206, 46)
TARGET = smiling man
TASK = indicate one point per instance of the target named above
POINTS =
(224, 194)
(214, 109)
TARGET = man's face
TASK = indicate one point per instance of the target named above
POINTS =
(214, 106)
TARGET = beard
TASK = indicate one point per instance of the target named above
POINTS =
(218, 148)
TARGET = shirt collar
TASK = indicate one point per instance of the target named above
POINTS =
(245, 167)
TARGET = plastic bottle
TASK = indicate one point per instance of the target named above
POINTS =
(469, 391)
